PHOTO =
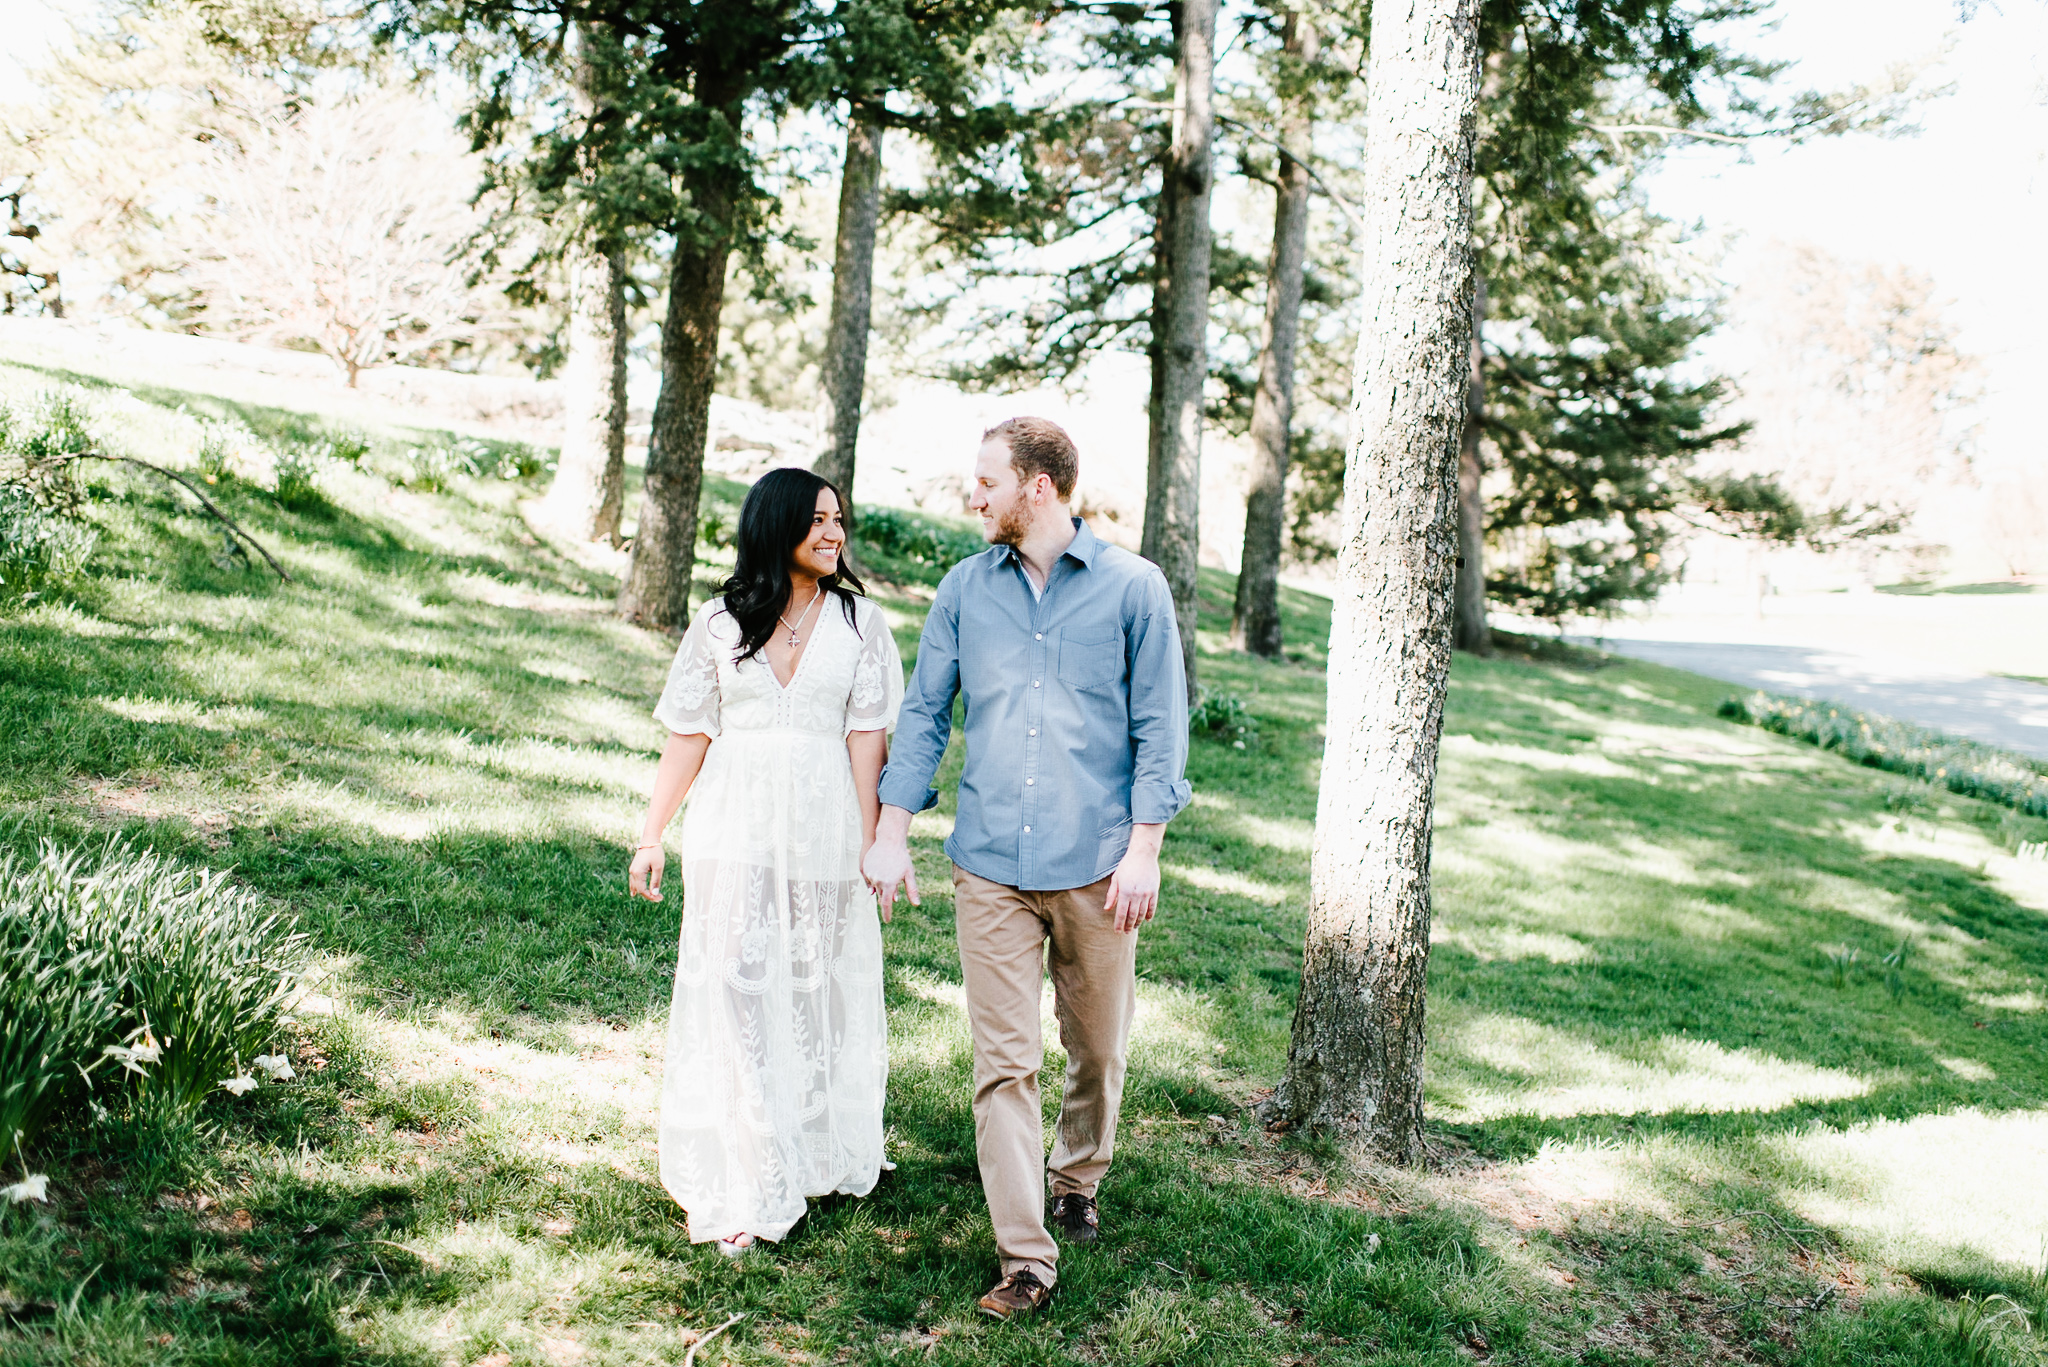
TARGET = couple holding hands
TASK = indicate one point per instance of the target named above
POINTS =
(1067, 656)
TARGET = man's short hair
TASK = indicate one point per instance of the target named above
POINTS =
(1039, 446)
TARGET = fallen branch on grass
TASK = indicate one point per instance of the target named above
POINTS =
(690, 1357)
(192, 489)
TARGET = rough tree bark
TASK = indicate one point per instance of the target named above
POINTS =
(853, 279)
(1255, 621)
(1173, 479)
(1355, 1065)
(656, 590)
(589, 485)
(1471, 633)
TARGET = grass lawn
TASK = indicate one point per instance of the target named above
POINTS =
(1736, 1049)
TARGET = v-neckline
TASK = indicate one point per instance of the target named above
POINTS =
(802, 655)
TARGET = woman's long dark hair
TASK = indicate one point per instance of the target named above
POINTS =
(774, 521)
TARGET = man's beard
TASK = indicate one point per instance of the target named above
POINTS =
(1014, 524)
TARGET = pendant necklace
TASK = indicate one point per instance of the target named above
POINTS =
(794, 639)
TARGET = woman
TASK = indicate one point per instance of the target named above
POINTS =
(778, 705)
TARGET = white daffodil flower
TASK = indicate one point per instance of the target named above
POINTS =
(134, 1056)
(277, 1065)
(34, 1188)
(127, 1057)
(238, 1085)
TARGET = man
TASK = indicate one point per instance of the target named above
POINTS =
(1067, 654)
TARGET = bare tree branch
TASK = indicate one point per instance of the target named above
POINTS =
(191, 488)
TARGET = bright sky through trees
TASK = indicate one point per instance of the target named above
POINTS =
(1963, 201)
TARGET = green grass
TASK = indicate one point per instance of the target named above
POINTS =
(1690, 1099)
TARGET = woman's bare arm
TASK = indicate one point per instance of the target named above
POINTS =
(681, 758)
(869, 751)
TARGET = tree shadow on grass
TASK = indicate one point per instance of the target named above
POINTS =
(1691, 901)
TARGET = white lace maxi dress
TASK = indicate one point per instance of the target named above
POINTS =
(777, 1053)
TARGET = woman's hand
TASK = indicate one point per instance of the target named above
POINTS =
(644, 878)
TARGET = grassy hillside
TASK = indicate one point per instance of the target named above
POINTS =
(1736, 1049)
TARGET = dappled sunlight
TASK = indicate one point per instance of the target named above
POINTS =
(1487, 1065)
(2025, 881)
(1291, 837)
(1919, 1191)
(1477, 751)
(453, 804)
(185, 713)
(1223, 880)
(1503, 877)
(1487, 943)
(597, 1065)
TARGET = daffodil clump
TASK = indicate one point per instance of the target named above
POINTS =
(123, 974)
(1962, 766)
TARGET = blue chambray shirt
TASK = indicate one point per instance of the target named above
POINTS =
(1076, 708)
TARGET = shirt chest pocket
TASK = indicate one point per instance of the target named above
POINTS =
(1092, 658)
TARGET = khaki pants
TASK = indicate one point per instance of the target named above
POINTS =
(1001, 932)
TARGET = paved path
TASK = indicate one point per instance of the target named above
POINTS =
(2003, 712)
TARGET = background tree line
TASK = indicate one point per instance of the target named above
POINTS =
(1061, 162)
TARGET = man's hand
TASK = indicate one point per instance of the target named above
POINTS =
(1134, 887)
(887, 863)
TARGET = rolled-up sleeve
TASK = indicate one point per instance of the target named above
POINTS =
(925, 723)
(1159, 708)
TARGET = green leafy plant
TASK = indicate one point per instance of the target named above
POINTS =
(1907, 797)
(60, 1002)
(432, 468)
(177, 975)
(1989, 1332)
(221, 443)
(1841, 963)
(913, 547)
(718, 520)
(43, 535)
(347, 447)
(1895, 968)
(297, 485)
(1961, 766)
(38, 545)
(1223, 717)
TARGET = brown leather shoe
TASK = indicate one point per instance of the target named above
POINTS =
(1076, 1217)
(1015, 1296)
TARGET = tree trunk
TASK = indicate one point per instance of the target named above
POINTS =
(1255, 622)
(1472, 632)
(853, 280)
(1155, 348)
(1355, 1065)
(656, 591)
(589, 485)
(1173, 484)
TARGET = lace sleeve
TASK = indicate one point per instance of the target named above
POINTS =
(689, 704)
(877, 676)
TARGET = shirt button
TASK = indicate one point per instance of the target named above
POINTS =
(1027, 830)
(1029, 781)
(1034, 683)
(1041, 636)
(1034, 730)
